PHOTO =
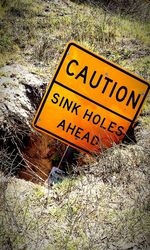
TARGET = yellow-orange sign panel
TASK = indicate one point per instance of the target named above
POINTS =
(91, 102)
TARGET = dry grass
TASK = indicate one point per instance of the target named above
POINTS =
(107, 205)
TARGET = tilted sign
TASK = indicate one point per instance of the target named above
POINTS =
(91, 102)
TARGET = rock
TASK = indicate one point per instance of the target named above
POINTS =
(20, 92)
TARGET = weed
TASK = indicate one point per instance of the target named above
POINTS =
(6, 43)
(107, 205)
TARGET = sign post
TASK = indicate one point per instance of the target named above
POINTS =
(91, 102)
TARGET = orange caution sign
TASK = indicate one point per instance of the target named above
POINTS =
(91, 102)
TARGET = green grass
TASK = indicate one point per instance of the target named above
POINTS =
(48, 32)
(107, 204)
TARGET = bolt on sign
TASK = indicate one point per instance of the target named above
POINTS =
(91, 102)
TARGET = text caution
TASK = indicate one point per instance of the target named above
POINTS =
(91, 102)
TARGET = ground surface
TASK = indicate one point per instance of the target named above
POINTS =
(107, 205)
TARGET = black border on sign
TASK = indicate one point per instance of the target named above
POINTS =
(53, 81)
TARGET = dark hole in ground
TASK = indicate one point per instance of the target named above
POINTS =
(41, 154)
(13, 138)
(31, 156)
